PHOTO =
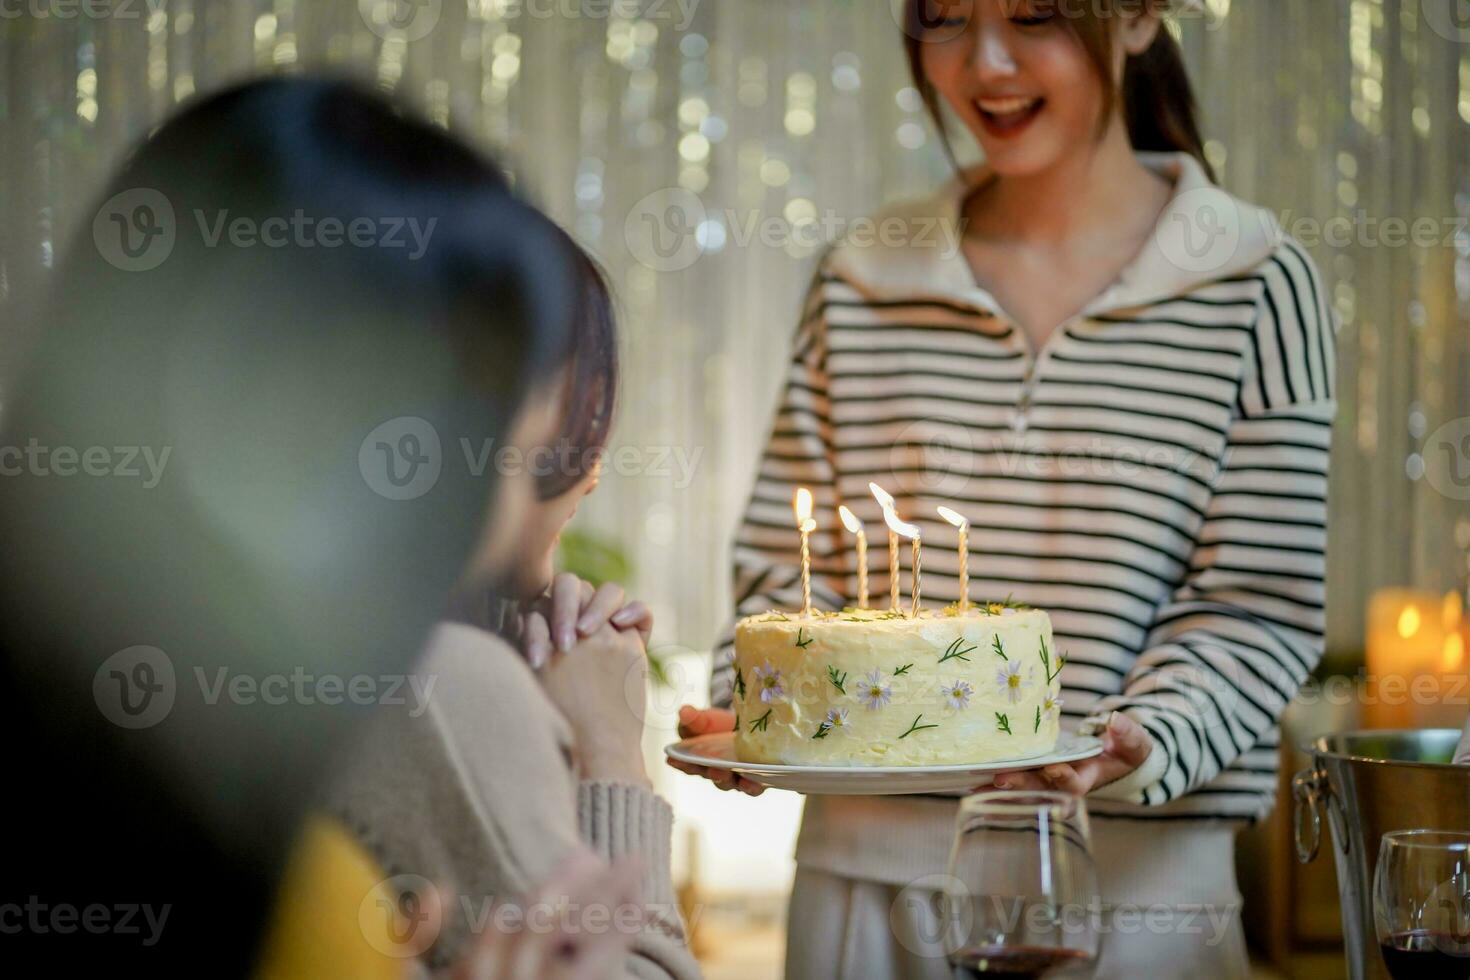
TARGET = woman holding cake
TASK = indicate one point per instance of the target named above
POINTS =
(1131, 376)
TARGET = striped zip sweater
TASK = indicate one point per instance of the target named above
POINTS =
(1155, 477)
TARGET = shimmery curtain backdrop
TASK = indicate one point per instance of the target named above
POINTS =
(786, 120)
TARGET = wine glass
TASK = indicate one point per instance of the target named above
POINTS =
(1421, 904)
(1021, 887)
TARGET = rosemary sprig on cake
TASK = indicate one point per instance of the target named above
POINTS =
(902, 670)
(839, 680)
(1003, 723)
(999, 648)
(799, 641)
(760, 724)
(957, 651)
(1051, 675)
(916, 727)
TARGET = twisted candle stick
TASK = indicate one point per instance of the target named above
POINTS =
(862, 542)
(964, 568)
(893, 570)
(806, 570)
(915, 597)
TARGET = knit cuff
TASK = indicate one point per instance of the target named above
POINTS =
(1130, 788)
(619, 819)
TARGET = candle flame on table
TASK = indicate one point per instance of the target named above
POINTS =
(850, 520)
(1409, 622)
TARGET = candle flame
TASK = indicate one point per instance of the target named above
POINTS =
(890, 516)
(849, 520)
(885, 499)
(1409, 621)
(958, 520)
(1454, 652)
(802, 505)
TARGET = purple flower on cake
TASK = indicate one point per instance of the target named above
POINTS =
(1009, 678)
(836, 718)
(873, 693)
(957, 695)
(768, 683)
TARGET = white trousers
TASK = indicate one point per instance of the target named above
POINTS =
(1170, 909)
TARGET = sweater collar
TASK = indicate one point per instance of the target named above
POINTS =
(1202, 236)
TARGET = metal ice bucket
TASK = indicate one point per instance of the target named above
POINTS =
(1369, 783)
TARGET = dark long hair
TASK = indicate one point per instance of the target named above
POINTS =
(1157, 99)
(276, 540)
(590, 377)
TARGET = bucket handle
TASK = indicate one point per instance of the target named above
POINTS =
(1308, 791)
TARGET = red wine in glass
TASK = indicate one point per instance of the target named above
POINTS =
(1016, 962)
(1423, 955)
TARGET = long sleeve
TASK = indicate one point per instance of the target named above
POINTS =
(767, 569)
(469, 785)
(1234, 642)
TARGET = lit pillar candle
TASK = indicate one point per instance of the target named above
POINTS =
(804, 523)
(885, 500)
(910, 531)
(959, 521)
(855, 527)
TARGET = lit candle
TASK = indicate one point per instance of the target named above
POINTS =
(885, 500)
(959, 521)
(1416, 645)
(910, 531)
(804, 523)
(855, 526)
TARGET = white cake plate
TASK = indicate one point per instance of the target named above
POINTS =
(718, 752)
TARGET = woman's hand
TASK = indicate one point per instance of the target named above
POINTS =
(1126, 746)
(582, 883)
(573, 608)
(697, 721)
(601, 687)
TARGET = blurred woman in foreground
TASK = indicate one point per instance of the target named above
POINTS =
(296, 303)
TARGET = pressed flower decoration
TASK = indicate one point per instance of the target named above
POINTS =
(957, 695)
(873, 692)
(1009, 677)
(836, 718)
(1051, 706)
(767, 680)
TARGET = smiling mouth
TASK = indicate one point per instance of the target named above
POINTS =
(1008, 116)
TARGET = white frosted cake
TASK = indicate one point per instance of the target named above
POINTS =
(870, 688)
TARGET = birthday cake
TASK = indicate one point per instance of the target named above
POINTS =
(869, 688)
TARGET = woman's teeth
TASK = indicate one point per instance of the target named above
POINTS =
(1006, 107)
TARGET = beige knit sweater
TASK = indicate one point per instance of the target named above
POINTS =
(472, 788)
